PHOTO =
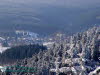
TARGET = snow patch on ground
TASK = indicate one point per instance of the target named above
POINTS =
(2, 49)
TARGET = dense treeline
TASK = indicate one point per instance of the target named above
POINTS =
(20, 52)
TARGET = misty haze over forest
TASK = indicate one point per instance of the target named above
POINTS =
(49, 16)
(49, 37)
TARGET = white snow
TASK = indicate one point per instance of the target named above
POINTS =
(2, 49)
(48, 43)
(2, 68)
(95, 71)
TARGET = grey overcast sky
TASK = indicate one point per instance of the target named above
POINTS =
(55, 2)
(48, 15)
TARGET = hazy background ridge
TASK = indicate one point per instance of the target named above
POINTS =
(48, 16)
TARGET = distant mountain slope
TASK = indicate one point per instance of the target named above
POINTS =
(47, 17)
(13, 54)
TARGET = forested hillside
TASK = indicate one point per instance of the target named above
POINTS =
(77, 55)
(20, 52)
